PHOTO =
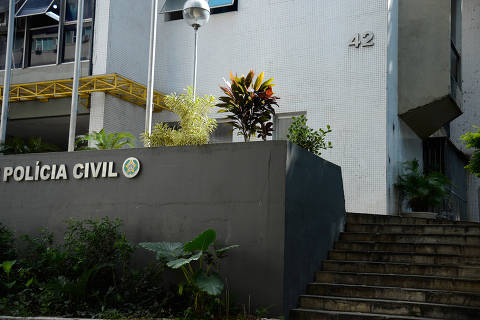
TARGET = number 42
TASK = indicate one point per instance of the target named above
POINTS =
(364, 40)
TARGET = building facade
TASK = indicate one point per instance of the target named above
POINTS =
(395, 79)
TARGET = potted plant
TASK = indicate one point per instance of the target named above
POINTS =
(251, 105)
(423, 192)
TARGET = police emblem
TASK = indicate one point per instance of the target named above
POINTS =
(131, 167)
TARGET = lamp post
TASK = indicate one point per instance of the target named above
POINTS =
(196, 13)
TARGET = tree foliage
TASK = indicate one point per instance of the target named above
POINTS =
(422, 191)
(304, 136)
(472, 141)
(101, 140)
(195, 126)
(251, 105)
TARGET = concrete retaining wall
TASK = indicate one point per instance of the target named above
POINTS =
(281, 204)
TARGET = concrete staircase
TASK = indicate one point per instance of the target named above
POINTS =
(387, 267)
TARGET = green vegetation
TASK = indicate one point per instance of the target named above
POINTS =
(472, 141)
(198, 260)
(195, 126)
(17, 145)
(423, 192)
(104, 141)
(307, 138)
(251, 105)
(89, 275)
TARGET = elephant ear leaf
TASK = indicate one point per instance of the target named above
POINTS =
(212, 284)
(202, 242)
(178, 263)
(165, 250)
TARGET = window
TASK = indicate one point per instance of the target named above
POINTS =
(173, 8)
(71, 10)
(282, 122)
(70, 38)
(44, 44)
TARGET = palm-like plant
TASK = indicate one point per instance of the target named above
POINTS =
(251, 105)
(17, 145)
(422, 191)
(104, 141)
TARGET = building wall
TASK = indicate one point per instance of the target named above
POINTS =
(304, 46)
(470, 52)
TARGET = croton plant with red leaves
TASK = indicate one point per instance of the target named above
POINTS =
(250, 104)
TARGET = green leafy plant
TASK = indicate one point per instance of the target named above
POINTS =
(304, 136)
(195, 126)
(422, 191)
(198, 261)
(104, 141)
(472, 141)
(250, 104)
(7, 243)
(17, 145)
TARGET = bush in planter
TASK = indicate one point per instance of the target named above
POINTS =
(195, 126)
(102, 140)
(251, 105)
(304, 136)
(17, 145)
(422, 191)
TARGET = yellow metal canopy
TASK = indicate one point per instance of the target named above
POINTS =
(113, 84)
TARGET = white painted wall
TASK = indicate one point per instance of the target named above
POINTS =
(304, 46)
(470, 52)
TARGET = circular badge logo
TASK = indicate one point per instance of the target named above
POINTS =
(131, 167)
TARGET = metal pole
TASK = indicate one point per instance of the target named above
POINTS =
(151, 68)
(8, 71)
(195, 63)
(76, 76)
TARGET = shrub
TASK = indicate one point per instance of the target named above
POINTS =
(195, 126)
(422, 191)
(251, 105)
(7, 244)
(472, 141)
(17, 145)
(104, 141)
(304, 136)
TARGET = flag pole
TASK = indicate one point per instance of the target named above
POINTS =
(151, 68)
(76, 76)
(8, 71)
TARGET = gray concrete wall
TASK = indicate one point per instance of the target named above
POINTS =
(311, 230)
(424, 52)
(46, 73)
(237, 189)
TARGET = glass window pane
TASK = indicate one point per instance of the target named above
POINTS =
(220, 3)
(34, 7)
(70, 40)
(71, 10)
(44, 46)
(17, 61)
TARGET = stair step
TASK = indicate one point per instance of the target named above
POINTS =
(359, 218)
(421, 229)
(399, 280)
(411, 238)
(419, 248)
(403, 257)
(309, 314)
(402, 268)
(395, 293)
(391, 307)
